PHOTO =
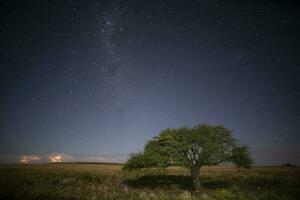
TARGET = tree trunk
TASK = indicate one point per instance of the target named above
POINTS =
(195, 171)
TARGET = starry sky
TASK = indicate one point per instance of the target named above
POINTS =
(94, 80)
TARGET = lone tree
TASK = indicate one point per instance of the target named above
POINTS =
(191, 148)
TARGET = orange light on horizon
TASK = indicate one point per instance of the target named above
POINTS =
(55, 158)
(26, 159)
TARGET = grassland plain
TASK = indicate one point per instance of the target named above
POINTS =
(108, 181)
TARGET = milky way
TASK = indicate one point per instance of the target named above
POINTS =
(92, 79)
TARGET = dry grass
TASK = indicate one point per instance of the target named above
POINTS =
(108, 181)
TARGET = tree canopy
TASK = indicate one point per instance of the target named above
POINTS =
(192, 148)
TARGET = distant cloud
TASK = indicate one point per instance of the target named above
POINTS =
(60, 157)
(26, 159)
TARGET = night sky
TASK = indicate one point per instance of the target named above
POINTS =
(94, 80)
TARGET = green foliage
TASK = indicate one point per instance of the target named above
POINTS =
(229, 194)
(241, 156)
(190, 147)
(146, 160)
(138, 160)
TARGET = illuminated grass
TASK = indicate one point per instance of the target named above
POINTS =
(108, 181)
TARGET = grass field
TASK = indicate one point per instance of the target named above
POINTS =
(108, 181)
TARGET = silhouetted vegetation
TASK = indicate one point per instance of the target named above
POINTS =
(287, 164)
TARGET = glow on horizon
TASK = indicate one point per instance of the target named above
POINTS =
(27, 159)
(56, 158)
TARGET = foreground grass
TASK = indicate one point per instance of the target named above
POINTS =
(104, 181)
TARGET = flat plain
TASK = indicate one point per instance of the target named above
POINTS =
(108, 181)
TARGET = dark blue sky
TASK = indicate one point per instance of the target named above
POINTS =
(94, 78)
